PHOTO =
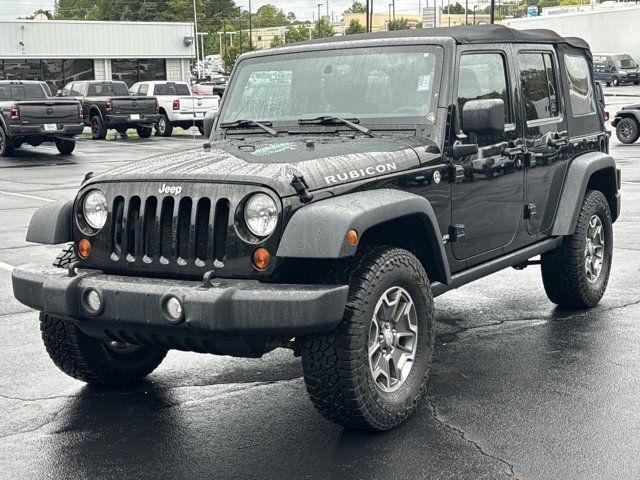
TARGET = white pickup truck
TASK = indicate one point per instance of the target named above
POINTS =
(178, 107)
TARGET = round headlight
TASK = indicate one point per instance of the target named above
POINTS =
(94, 209)
(261, 214)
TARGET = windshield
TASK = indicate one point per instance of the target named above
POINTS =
(108, 90)
(625, 62)
(21, 92)
(376, 85)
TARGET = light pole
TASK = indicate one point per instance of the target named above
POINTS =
(202, 35)
(240, 27)
(389, 13)
(250, 29)
(195, 26)
(393, 2)
(319, 5)
(493, 7)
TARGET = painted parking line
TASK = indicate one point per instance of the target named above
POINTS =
(6, 266)
(42, 199)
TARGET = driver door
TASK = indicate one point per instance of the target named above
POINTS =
(488, 192)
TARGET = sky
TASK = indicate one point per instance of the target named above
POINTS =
(303, 9)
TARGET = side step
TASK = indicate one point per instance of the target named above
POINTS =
(511, 259)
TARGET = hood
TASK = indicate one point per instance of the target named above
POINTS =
(274, 162)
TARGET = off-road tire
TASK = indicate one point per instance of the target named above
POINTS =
(336, 366)
(65, 147)
(90, 360)
(66, 257)
(144, 132)
(6, 144)
(627, 130)
(98, 130)
(563, 269)
(164, 128)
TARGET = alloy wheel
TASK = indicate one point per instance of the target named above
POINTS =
(594, 249)
(393, 339)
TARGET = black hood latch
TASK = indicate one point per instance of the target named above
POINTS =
(302, 189)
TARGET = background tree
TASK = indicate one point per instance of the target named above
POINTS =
(48, 14)
(398, 24)
(357, 7)
(269, 16)
(322, 29)
(354, 27)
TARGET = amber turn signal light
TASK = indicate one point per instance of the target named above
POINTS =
(84, 248)
(352, 237)
(261, 258)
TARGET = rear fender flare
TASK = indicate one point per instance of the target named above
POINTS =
(580, 171)
(635, 114)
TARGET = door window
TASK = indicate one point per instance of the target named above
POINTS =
(580, 85)
(539, 86)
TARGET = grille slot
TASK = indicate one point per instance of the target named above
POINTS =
(166, 230)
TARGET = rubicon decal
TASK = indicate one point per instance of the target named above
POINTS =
(361, 173)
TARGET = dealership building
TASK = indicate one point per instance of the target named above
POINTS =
(59, 51)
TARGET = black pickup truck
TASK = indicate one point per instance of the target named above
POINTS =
(108, 105)
(29, 115)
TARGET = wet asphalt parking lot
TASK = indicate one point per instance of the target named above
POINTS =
(518, 389)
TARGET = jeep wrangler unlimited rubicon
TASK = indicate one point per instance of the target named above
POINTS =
(346, 183)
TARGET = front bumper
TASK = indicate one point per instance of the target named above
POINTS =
(121, 120)
(134, 306)
(63, 130)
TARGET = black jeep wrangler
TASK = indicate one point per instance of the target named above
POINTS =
(347, 182)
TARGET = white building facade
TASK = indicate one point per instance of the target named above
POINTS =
(59, 51)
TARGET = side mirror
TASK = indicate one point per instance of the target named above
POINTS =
(483, 116)
(209, 122)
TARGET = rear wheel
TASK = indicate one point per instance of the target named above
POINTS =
(371, 371)
(576, 274)
(6, 144)
(164, 128)
(615, 81)
(98, 130)
(144, 132)
(201, 129)
(627, 130)
(64, 146)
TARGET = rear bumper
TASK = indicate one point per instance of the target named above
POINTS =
(122, 120)
(63, 130)
(134, 306)
(187, 118)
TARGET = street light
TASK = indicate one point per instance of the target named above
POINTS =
(195, 27)
(202, 35)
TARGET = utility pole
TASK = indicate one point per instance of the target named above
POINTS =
(492, 15)
(250, 29)
(327, 9)
(466, 15)
(319, 16)
(393, 2)
(240, 28)
(195, 27)
(389, 13)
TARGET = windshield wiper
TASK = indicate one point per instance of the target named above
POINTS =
(251, 123)
(329, 119)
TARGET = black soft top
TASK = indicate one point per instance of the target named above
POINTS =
(467, 35)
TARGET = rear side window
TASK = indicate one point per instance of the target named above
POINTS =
(580, 85)
(144, 89)
(539, 86)
(483, 76)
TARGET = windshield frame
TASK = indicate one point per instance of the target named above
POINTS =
(426, 45)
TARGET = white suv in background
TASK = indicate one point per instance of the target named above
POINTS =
(178, 107)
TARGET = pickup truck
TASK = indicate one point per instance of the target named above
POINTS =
(29, 115)
(108, 105)
(178, 107)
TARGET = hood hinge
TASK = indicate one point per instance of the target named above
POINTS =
(302, 189)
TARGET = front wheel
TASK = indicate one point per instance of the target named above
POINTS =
(615, 81)
(144, 132)
(96, 361)
(576, 274)
(65, 147)
(371, 371)
(627, 130)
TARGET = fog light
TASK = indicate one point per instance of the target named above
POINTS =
(173, 308)
(93, 301)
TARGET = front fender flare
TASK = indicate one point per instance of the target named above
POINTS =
(51, 224)
(575, 186)
(319, 230)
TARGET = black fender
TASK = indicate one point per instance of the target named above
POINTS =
(95, 108)
(51, 224)
(579, 174)
(319, 229)
(635, 114)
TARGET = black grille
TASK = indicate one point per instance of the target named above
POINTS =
(169, 230)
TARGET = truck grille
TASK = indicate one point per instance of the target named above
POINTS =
(167, 229)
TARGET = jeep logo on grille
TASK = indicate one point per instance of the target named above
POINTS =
(170, 189)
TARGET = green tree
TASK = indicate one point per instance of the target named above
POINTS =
(276, 42)
(322, 29)
(291, 17)
(357, 7)
(456, 8)
(398, 24)
(48, 14)
(269, 16)
(354, 27)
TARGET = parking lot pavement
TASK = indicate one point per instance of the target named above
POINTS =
(518, 388)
